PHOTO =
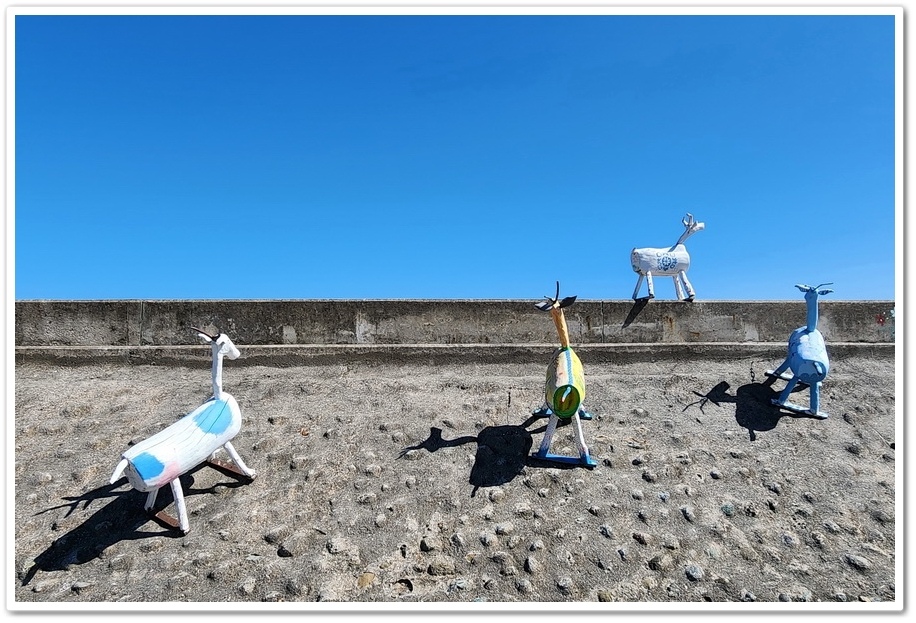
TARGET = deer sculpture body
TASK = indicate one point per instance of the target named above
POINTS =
(807, 358)
(161, 459)
(666, 262)
(565, 388)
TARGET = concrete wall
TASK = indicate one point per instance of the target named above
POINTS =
(388, 322)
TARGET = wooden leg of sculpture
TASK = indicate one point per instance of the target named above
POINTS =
(548, 435)
(650, 285)
(178, 494)
(787, 390)
(580, 442)
(150, 500)
(678, 290)
(814, 409)
(247, 471)
(778, 372)
(688, 286)
(638, 284)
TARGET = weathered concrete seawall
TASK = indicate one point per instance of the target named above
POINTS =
(497, 330)
(260, 322)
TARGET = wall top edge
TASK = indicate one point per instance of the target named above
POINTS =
(415, 300)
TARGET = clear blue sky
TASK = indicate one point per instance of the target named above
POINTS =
(288, 157)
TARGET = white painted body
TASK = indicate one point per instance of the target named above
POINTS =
(671, 261)
(162, 458)
(660, 262)
(157, 460)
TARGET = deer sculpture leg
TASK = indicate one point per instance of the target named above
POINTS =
(150, 500)
(638, 284)
(580, 441)
(815, 398)
(678, 290)
(779, 372)
(787, 390)
(178, 494)
(244, 469)
(548, 435)
(650, 285)
(584, 455)
(688, 286)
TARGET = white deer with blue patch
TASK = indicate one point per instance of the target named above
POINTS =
(670, 261)
(192, 440)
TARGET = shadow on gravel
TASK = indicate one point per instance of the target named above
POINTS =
(502, 451)
(119, 520)
(753, 409)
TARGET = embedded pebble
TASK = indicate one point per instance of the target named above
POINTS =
(430, 544)
(496, 495)
(441, 565)
(532, 565)
(859, 562)
(662, 562)
(694, 573)
(523, 585)
(505, 528)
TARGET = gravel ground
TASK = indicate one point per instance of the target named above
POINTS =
(403, 484)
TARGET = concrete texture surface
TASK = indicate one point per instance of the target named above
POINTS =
(165, 323)
(400, 474)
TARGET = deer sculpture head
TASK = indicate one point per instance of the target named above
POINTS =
(221, 346)
(691, 226)
(811, 294)
(555, 306)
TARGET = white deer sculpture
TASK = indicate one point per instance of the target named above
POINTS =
(195, 438)
(666, 262)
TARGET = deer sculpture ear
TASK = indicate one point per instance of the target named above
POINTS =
(544, 305)
(824, 291)
(566, 302)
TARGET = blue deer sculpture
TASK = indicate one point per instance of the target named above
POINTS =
(807, 358)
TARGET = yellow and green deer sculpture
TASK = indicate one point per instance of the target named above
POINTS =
(565, 388)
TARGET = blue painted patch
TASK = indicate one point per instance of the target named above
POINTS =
(215, 418)
(666, 262)
(147, 466)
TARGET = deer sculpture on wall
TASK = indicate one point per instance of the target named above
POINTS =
(192, 440)
(807, 358)
(565, 387)
(666, 262)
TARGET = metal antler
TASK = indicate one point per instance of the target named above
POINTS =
(202, 332)
(548, 303)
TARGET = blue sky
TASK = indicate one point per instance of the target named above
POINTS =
(444, 156)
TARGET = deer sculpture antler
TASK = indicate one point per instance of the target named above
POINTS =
(555, 306)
